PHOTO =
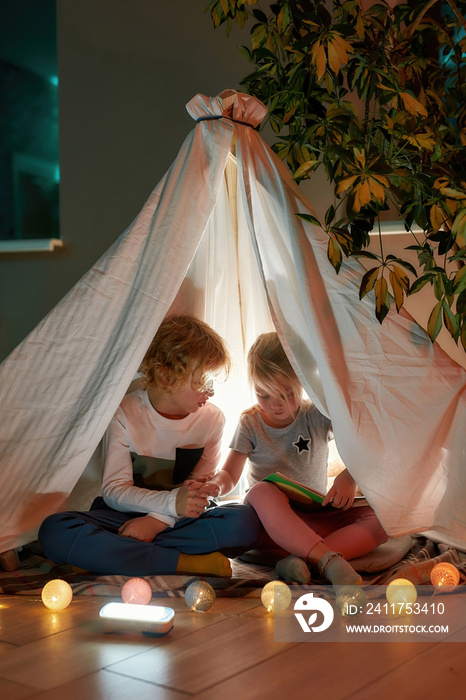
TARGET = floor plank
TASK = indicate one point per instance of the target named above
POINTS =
(103, 685)
(15, 691)
(340, 667)
(207, 657)
(33, 621)
(437, 672)
(84, 649)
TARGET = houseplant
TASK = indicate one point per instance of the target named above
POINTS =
(376, 95)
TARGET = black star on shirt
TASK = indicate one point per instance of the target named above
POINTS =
(302, 444)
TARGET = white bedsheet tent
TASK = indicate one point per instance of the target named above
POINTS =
(219, 237)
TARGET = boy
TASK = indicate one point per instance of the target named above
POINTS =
(160, 435)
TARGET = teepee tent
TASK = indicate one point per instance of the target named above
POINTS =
(219, 237)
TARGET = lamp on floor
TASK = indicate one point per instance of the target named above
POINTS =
(275, 596)
(136, 591)
(445, 576)
(199, 596)
(401, 593)
(151, 620)
(56, 594)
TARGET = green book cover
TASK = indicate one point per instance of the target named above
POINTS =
(294, 489)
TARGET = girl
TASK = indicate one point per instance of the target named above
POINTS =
(284, 432)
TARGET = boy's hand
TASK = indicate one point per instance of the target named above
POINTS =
(144, 528)
(342, 492)
(190, 503)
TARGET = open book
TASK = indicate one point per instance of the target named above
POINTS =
(299, 492)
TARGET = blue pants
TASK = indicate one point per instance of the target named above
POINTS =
(91, 541)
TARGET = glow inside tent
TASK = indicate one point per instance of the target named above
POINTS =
(219, 237)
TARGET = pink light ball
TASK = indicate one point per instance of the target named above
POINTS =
(445, 576)
(136, 591)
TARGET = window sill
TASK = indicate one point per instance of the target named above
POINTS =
(38, 245)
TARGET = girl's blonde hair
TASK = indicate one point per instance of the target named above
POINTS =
(269, 367)
(184, 346)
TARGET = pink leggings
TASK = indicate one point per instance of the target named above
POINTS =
(353, 532)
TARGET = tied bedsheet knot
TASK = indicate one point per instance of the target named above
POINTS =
(223, 116)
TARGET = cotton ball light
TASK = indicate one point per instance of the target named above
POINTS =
(56, 594)
(275, 596)
(351, 600)
(401, 592)
(199, 596)
(445, 576)
(136, 591)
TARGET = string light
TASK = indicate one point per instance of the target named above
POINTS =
(56, 594)
(136, 591)
(199, 596)
(445, 576)
(400, 593)
(351, 600)
(275, 596)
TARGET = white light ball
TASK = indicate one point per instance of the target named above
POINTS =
(275, 596)
(445, 576)
(57, 594)
(199, 596)
(401, 592)
(351, 600)
(136, 591)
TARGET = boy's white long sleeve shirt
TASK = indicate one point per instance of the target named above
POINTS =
(139, 443)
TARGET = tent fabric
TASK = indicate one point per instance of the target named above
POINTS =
(219, 237)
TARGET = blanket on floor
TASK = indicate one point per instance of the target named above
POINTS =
(247, 579)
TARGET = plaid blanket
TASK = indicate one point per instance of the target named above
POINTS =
(247, 579)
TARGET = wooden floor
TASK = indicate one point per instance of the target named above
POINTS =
(228, 652)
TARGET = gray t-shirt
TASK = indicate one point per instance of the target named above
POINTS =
(300, 450)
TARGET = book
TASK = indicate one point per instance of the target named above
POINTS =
(298, 492)
(294, 489)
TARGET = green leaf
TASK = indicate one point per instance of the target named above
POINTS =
(244, 51)
(434, 323)
(334, 254)
(459, 281)
(420, 283)
(368, 281)
(439, 287)
(397, 288)
(329, 215)
(364, 254)
(461, 303)
(260, 16)
(310, 218)
(406, 265)
(382, 300)
(451, 321)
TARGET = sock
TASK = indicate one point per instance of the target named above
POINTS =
(214, 564)
(293, 569)
(338, 571)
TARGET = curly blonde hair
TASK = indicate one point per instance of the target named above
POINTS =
(268, 366)
(184, 346)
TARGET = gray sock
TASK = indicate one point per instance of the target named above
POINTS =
(338, 571)
(293, 569)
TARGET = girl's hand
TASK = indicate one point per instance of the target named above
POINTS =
(143, 529)
(209, 489)
(341, 495)
(197, 481)
(189, 503)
